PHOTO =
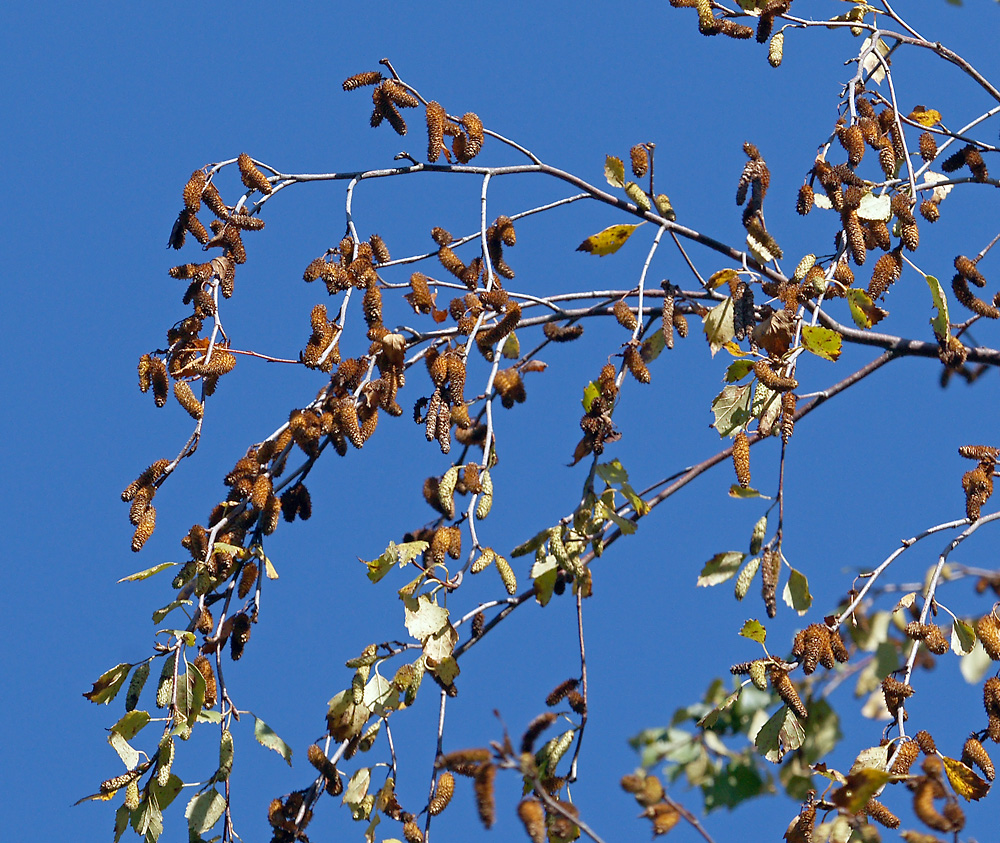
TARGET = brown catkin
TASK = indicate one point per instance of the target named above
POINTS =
(412, 832)
(251, 176)
(204, 667)
(436, 119)
(928, 146)
(767, 376)
(186, 398)
(741, 458)
(144, 529)
(895, 692)
(159, 381)
(973, 752)
(248, 579)
(804, 202)
(239, 636)
(930, 210)
(906, 753)
(784, 688)
(640, 160)
(193, 190)
(474, 137)
(925, 741)
(923, 805)
(636, 365)
(560, 692)
(991, 702)
(971, 301)
(483, 788)
(371, 77)
(882, 815)
(788, 402)
(625, 316)
(853, 141)
(988, 632)
(442, 793)
(532, 816)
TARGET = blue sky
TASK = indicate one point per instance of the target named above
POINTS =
(110, 106)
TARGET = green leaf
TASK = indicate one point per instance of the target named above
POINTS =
(160, 614)
(963, 637)
(423, 617)
(121, 821)
(267, 738)
(608, 241)
(822, 342)
(754, 630)
(796, 593)
(613, 473)
(737, 491)
(940, 323)
(652, 346)
(590, 392)
(720, 568)
(108, 684)
(204, 810)
(446, 670)
(532, 544)
(732, 409)
(164, 795)
(190, 696)
(142, 575)
(131, 724)
(206, 716)
(511, 347)
(736, 782)
(357, 787)
(718, 325)
(147, 820)
(401, 554)
(738, 370)
(709, 719)
(128, 755)
(545, 574)
(614, 171)
(780, 734)
(380, 695)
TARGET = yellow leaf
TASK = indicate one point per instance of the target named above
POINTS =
(734, 349)
(723, 276)
(965, 782)
(924, 116)
(608, 241)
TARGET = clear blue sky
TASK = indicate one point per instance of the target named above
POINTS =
(108, 107)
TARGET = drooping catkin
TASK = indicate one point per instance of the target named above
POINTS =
(770, 569)
(251, 176)
(204, 667)
(192, 191)
(785, 688)
(442, 793)
(636, 365)
(906, 753)
(741, 458)
(988, 632)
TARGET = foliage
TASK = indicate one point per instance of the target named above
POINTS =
(774, 725)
